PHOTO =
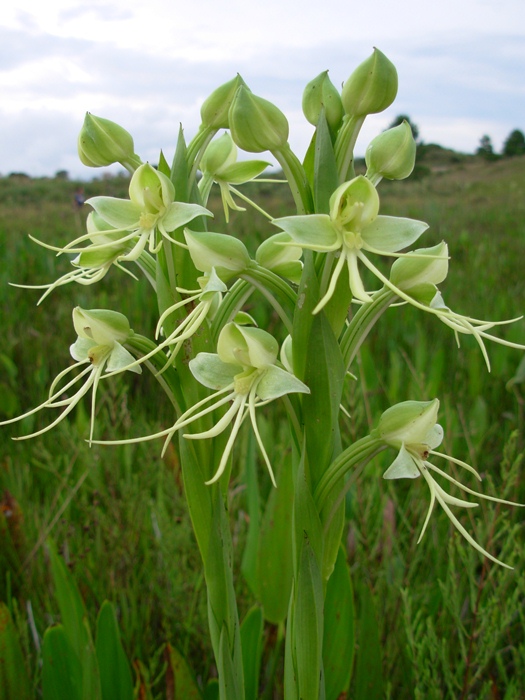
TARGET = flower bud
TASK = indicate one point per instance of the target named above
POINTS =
(102, 142)
(103, 326)
(228, 255)
(392, 154)
(321, 92)
(423, 268)
(215, 108)
(371, 88)
(246, 346)
(257, 125)
(279, 255)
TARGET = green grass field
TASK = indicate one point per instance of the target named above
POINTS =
(448, 624)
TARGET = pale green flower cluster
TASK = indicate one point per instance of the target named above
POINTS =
(323, 254)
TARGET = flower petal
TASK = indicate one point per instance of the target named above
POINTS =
(314, 232)
(277, 382)
(403, 467)
(179, 214)
(391, 233)
(120, 213)
(212, 372)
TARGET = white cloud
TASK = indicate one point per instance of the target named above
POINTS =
(150, 65)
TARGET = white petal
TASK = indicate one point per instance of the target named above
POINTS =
(403, 467)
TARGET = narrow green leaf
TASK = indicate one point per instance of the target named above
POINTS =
(321, 407)
(228, 682)
(179, 169)
(275, 562)
(14, 682)
(325, 167)
(185, 687)
(291, 687)
(368, 673)
(115, 672)
(251, 548)
(338, 637)
(69, 601)
(91, 689)
(163, 165)
(61, 669)
(212, 690)
(308, 624)
(251, 640)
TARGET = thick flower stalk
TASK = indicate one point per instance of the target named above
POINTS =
(99, 345)
(352, 227)
(411, 428)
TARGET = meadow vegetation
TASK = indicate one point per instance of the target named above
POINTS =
(441, 622)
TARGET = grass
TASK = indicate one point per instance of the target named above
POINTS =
(451, 624)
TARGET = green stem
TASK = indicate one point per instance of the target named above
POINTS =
(232, 302)
(361, 451)
(362, 323)
(169, 380)
(297, 180)
(344, 147)
(280, 295)
(196, 149)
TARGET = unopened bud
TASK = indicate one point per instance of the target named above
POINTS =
(257, 125)
(392, 154)
(214, 110)
(101, 142)
(371, 88)
(321, 92)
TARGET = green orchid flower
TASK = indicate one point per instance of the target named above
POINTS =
(93, 262)
(244, 373)
(219, 164)
(99, 345)
(414, 278)
(151, 209)
(411, 428)
(352, 227)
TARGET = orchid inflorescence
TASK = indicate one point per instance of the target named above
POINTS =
(202, 278)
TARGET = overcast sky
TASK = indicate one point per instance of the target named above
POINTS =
(149, 65)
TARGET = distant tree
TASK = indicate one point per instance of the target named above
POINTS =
(62, 175)
(486, 149)
(404, 117)
(514, 144)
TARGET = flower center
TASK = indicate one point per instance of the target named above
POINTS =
(352, 240)
(148, 220)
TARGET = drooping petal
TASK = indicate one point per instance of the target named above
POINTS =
(180, 213)
(277, 382)
(391, 233)
(212, 372)
(313, 232)
(120, 359)
(120, 213)
(403, 467)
